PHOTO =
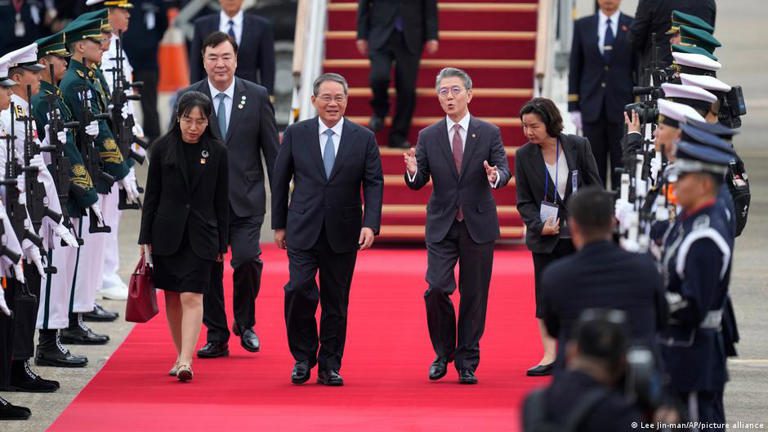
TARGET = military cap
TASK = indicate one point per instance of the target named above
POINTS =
(101, 14)
(693, 134)
(708, 83)
(699, 38)
(673, 113)
(55, 44)
(110, 3)
(693, 157)
(682, 18)
(25, 58)
(86, 29)
(689, 95)
(4, 80)
(696, 64)
(718, 129)
(690, 49)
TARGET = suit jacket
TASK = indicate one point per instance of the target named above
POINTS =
(469, 190)
(255, 54)
(602, 275)
(376, 21)
(171, 201)
(141, 43)
(251, 133)
(32, 30)
(530, 174)
(331, 205)
(654, 16)
(594, 85)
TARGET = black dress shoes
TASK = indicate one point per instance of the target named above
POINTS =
(376, 123)
(438, 369)
(301, 372)
(99, 314)
(248, 339)
(50, 352)
(8, 411)
(213, 350)
(329, 378)
(467, 376)
(541, 370)
(82, 335)
(24, 379)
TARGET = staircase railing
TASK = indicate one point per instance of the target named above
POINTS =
(308, 54)
(553, 38)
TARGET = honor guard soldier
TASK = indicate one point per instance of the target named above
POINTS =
(696, 266)
(680, 19)
(102, 160)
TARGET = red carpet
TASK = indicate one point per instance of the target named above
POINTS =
(385, 364)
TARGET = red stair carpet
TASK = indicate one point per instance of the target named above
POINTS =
(385, 364)
(494, 41)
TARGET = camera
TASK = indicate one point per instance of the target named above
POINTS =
(732, 107)
(646, 114)
(642, 381)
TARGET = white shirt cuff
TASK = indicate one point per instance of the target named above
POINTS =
(412, 178)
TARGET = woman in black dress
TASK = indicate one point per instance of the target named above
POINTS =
(184, 220)
(549, 168)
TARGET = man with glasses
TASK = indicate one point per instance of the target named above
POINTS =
(245, 122)
(462, 223)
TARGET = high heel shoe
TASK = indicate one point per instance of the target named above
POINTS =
(184, 373)
(175, 369)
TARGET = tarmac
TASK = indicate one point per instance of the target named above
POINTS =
(742, 30)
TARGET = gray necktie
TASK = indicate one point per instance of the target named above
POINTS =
(221, 115)
(329, 155)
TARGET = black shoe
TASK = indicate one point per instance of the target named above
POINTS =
(8, 411)
(438, 369)
(82, 335)
(400, 145)
(541, 370)
(50, 352)
(376, 123)
(329, 378)
(24, 379)
(301, 372)
(248, 339)
(213, 350)
(99, 314)
(467, 376)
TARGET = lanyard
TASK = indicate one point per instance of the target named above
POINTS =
(17, 5)
(546, 173)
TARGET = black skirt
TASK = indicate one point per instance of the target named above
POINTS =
(182, 271)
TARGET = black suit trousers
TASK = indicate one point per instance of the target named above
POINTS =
(151, 119)
(475, 266)
(605, 138)
(302, 296)
(406, 71)
(244, 234)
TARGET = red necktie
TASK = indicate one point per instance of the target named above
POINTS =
(458, 155)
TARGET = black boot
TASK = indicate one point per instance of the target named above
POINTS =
(9, 411)
(50, 352)
(99, 314)
(24, 379)
(80, 334)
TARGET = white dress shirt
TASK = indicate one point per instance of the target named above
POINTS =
(228, 101)
(237, 27)
(559, 174)
(337, 128)
(602, 25)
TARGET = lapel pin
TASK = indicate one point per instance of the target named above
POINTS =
(204, 157)
(474, 136)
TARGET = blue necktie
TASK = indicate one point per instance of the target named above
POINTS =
(329, 155)
(608, 41)
(221, 115)
(231, 31)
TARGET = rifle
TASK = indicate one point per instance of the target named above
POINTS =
(91, 157)
(9, 184)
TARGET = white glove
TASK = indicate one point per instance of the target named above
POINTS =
(62, 136)
(92, 129)
(623, 210)
(38, 162)
(97, 211)
(18, 272)
(576, 119)
(22, 188)
(124, 111)
(32, 253)
(63, 233)
(138, 131)
(129, 184)
(3, 305)
(656, 167)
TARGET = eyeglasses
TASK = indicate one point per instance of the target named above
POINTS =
(199, 122)
(455, 90)
(339, 98)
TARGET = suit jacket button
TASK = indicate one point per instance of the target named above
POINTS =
(186, 206)
(607, 68)
(602, 85)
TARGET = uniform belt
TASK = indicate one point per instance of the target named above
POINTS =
(712, 320)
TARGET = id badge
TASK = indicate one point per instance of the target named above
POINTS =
(19, 30)
(149, 20)
(575, 181)
(547, 211)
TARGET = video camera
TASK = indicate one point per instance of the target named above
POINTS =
(732, 107)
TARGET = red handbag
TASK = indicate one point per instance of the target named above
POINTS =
(142, 299)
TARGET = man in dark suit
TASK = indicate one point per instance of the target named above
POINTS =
(254, 36)
(21, 22)
(600, 81)
(245, 122)
(396, 31)
(466, 160)
(600, 275)
(329, 159)
(655, 16)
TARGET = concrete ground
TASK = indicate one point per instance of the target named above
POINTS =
(742, 30)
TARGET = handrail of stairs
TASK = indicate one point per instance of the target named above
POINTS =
(553, 38)
(308, 54)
